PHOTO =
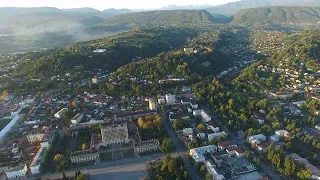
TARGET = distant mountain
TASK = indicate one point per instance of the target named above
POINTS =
(188, 7)
(162, 18)
(83, 10)
(11, 11)
(113, 11)
(277, 16)
(230, 9)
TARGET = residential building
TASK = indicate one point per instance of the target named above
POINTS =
(281, 94)
(283, 133)
(78, 157)
(187, 131)
(94, 80)
(256, 139)
(115, 134)
(196, 112)
(38, 159)
(235, 151)
(315, 171)
(226, 144)
(152, 104)
(99, 50)
(77, 118)
(147, 146)
(59, 114)
(161, 101)
(170, 98)
(18, 171)
(211, 170)
(216, 135)
(263, 147)
(205, 116)
(198, 153)
(188, 50)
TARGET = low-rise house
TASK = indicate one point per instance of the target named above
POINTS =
(187, 131)
(211, 170)
(217, 135)
(77, 118)
(281, 94)
(196, 112)
(263, 147)
(18, 171)
(256, 139)
(78, 157)
(205, 116)
(198, 153)
(170, 98)
(147, 146)
(235, 151)
(201, 136)
(283, 133)
(226, 144)
(59, 114)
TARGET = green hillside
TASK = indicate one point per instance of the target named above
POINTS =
(162, 18)
(277, 16)
(120, 50)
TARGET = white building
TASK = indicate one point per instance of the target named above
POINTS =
(217, 135)
(77, 118)
(99, 50)
(147, 146)
(152, 104)
(170, 98)
(188, 50)
(35, 137)
(78, 157)
(9, 126)
(38, 158)
(161, 101)
(94, 80)
(198, 153)
(58, 114)
(196, 112)
(115, 134)
(256, 139)
(211, 170)
(205, 116)
(18, 171)
(187, 131)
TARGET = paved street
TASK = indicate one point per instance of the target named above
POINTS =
(181, 149)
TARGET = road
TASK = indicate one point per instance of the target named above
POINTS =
(240, 142)
(181, 149)
(132, 168)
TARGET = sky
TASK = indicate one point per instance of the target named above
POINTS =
(105, 4)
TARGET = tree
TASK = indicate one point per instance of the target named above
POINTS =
(74, 104)
(289, 166)
(167, 145)
(208, 176)
(172, 165)
(82, 177)
(58, 157)
(201, 127)
(84, 147)
(246, 154)
(304, 173)
(140, 122)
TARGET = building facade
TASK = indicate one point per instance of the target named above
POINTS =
(152, 104)
(36, 137)
(147, 146)
(79, 157)
(18, 171)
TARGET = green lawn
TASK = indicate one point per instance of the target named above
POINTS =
(3, 123)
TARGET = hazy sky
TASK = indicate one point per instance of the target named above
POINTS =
(105, 4)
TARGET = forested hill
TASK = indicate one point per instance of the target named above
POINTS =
(174, 18)
(277, 16)
(120, 50)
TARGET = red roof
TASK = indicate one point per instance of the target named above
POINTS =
(226, 143)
